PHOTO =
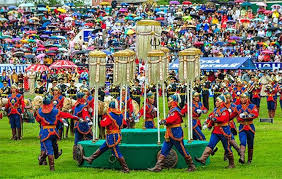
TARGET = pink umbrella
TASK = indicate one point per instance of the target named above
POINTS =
(123, 10)
(267, 12)
(42, 55)
(174, 3)
(63, 64)
(239, 1)
(267, 52)
(53, 49)
(41, 49)
(37, 68)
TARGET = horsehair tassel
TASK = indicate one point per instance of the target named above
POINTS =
(161, 69)
(97, 71)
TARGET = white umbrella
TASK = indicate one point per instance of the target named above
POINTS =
(261, 4)
(275, 6)
(27, 5)
(68, 19)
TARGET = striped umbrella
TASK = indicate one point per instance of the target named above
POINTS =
(63, 64)
(37, 68)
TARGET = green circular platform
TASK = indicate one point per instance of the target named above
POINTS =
(139, 148)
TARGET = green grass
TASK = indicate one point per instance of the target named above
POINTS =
(18, 159)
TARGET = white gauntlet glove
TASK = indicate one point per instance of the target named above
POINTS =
(90, 110)
(242, 115)
(229, 110)
(199, 111)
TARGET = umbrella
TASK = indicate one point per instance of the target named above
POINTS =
(107, 52)
(44, 36)
(137, 18)
(61, 10)
(276, 6)
(29, 56)
(31, 32)
(68, 19)
(53, 49)
(160, 13)
(16, 39)
(3, 19)
(191, 26)
(257, 19)
(37, 68)
(41, 49)
(130, 32)
(267, 12)
(244, 20)
(258, 38)
(261, 10)
(6, 37)
(186, 3)
(232, 42)
(104, 3)
(42, 9)
(41, 5)
(27, 5)
(234, 38)
(63, 49)
(89, 24)
(261, 4)
(267, 52)
(31, 40)
(239, 1)
(123, 10)
(174, 3)
(34, 18)
(230, 29)
(246, 4)
(199, 43)
(50, 51)
(18, 54)
(123, 4)
(12, 7)
(160, 19)
(42, 55)
(63, 64)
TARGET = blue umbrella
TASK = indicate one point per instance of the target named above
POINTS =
(70, 4)
(137, 18)
(41, 5)
(42, 9)
(123, 4)
(1, 85)
(45, 24)
(91, 10)
(12, 7)
(107, 52)
(76, 14)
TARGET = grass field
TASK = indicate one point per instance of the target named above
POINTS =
(18, 159)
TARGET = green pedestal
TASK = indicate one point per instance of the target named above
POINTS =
(139, 148)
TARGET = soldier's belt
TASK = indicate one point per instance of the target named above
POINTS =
(49, 127)
(149, 119)
(246, 122)
(135, 95)
(221, 124)
(113, 131)
(217, 92)
(174, 126)
(206, 89)
(182, 93)
(4, 95)
(72, 94)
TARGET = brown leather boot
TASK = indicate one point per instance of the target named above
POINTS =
(250, 155)
(269, 113)
(57, 153)
(19, 130)
(225, 156)
(14, 136)
(231, 161)
(51, 162)
(204, 156)
(73, 152)
(189, 162)
(42, 158)
(235, 146)
(159, 165)
(214, 151)
(123, 165)
(242, 154)
(93, 156)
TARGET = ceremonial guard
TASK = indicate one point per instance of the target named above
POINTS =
(113, 121)
(237, 91)
(58, 101)
(129, 111)
(271, 92)
(101, 94)
(5, 90)
(82, 129)
(255, 90)
(217, 90)
(219, 120)
(198, 109)
(40, 89)
(21, 88)
(48, 116)
(114, 91)
(15, 109)
(246, 113)
(205, 92)
(72, 90)
(173, 136)
(182, 93)
(89, 101)
(172, 87)
(151, 112)
(136, 92)
(232, 109)
(197, 88)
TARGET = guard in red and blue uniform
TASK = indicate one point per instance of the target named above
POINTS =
(82, 129)
(15, 109)
(58, 101)
(232, 111)
(151, 112)
(173, 136)
(113, 121)
(197, 110)
(129, 111)
(48, 117)
(271, 92)
(237, 91)
(219, 120)
(246, 113)
(90, 101)
(256, 94)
